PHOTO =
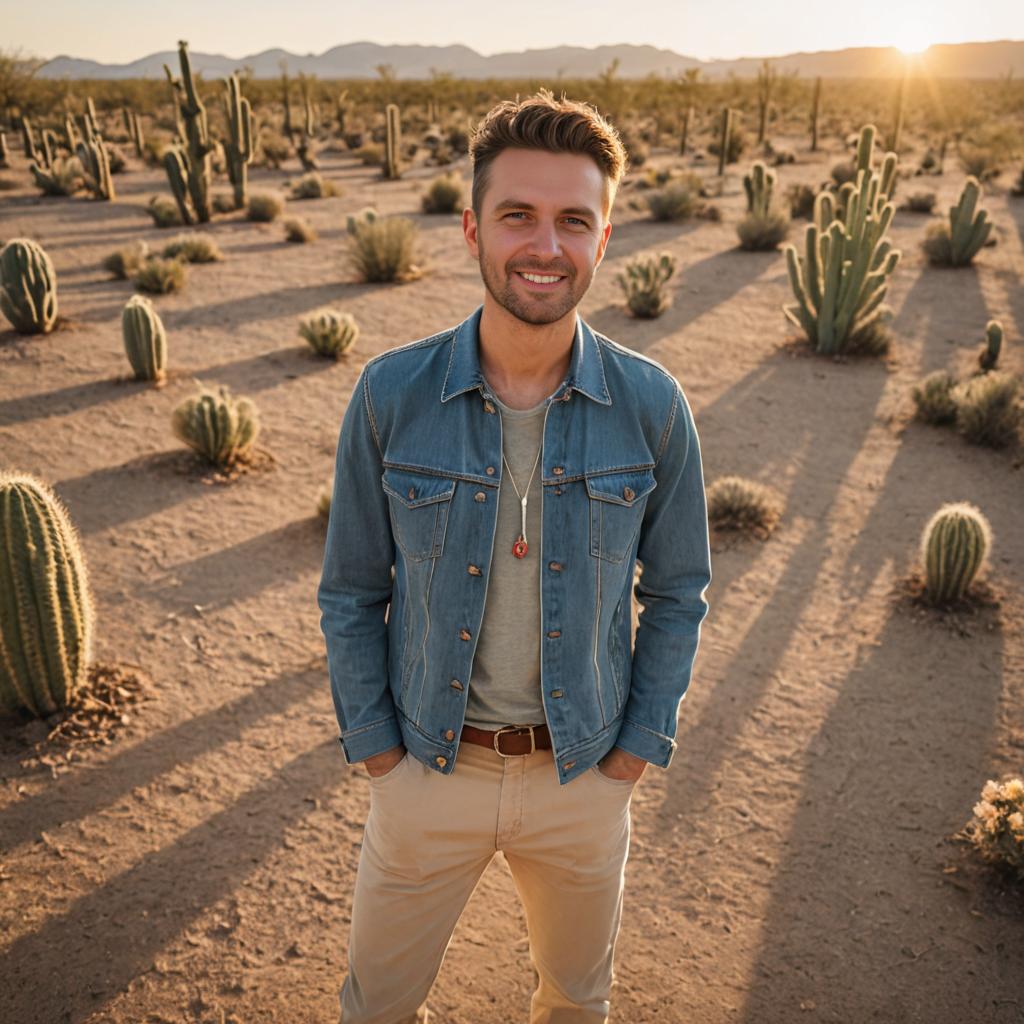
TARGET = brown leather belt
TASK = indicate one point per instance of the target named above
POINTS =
(510, 740)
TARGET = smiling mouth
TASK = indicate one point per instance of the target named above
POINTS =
(544, 284)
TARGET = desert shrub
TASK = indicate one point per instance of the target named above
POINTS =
(997, 829)
(1017, 189)
(383, 249)
(8, 184)
(164, 211)
(759, 232)
(844, 171)
(674, 202)
(987, 411)
(643, 281)
(125, 261)
(63, 178)
(735, 503)
(933, 398)
(273, 150)
(223, 202)
(458, 139)
(980, 162)
(329, 332)
(955, 544)
(314, 186)
(118, 164)
(354, 140)
(800, 199)
(920, 202)
(735, 146)
(372, 154)
(444, 195)
(220, 428)
(196, 247)
(298, 229)
(264, 207)
(872, 337)
(160, 276)
(937, 245)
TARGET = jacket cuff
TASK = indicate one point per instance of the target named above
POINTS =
(367, 740)
(646, 743)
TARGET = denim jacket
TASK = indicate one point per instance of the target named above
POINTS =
(410, 544)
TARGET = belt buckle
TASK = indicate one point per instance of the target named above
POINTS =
(516, 729)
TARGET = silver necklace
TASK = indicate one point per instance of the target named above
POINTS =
(520, 547)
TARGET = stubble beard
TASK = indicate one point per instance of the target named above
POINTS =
(542, 309)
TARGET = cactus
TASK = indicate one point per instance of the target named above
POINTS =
(92, 155)
(5, 156)
(238, 148)
(28, 141)
(193, 165)
(815, 111)
(63, 178)
(133, 127)
(758, 185)
(49, 144)
(367, 215)
(684, 134)
(46, 616)
(993, 343)
(145, 340)
(954, 545)
(723, 143)
(969, 227)
(176, 165)
(766, 77)
(392, 142)
(842, 278)
(899, 104)
(644, 283)
(329, 332)
(305, 149)
(28, 287)
(220, 428)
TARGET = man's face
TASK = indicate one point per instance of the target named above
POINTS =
(541, 215)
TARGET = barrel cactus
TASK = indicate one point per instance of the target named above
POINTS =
(219, 427)
(329, 332)
(145, 340)
(954, 546)
(46, 616)
(28, 287)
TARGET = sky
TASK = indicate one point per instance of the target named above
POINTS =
(119, 31)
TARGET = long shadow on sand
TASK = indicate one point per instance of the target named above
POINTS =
(67, 400)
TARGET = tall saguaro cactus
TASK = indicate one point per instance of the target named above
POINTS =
(723, 141)
(92, 155)
(685, 133)
(46, 617)
(815, 111)
(766, 77)
(392, 142)
(238, 148)
(841, 279)
(193, 169)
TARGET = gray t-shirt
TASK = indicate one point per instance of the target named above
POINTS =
(505, 685)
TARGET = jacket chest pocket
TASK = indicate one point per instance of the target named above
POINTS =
(617, 502)
(419, 506)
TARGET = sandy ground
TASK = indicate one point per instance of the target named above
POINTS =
(795, 863)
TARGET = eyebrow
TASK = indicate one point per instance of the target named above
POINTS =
(517, 204)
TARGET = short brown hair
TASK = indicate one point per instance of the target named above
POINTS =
(542, 122)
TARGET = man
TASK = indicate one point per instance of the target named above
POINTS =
(495, 486)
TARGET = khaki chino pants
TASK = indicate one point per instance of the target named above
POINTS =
(427, 841)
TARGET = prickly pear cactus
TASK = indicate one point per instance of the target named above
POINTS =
(954, 545)
(220, 428)
(145, 340)
(46, 618)
(28, 287)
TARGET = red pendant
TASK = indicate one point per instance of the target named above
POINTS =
(520, 548)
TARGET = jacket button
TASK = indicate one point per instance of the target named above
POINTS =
(450, 734)
(455, 684)
(556, 693)
(464, 634)
(474, 570)
(554, 634)
(440, 761)
(558, 470)
(628, 493)
(480, 496)
(555, 566)
(412, 492)
(489, 471)
(568, 765)
(488, 406)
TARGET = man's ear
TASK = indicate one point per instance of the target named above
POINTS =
(469, 230)
(603, 244)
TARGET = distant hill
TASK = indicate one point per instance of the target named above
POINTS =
(360, 60)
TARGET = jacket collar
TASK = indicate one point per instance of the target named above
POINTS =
(586, 367)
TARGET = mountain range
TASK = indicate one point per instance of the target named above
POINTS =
(361, 60)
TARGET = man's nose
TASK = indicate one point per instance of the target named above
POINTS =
(544, 241)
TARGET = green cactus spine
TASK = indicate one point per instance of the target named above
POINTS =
(993, 344)
(758, 185)
(969, 227)
(723, 140)
(195, 154)
(28, 287)
(815, 111)
(392, 142)
(954, 545)
(238, 146)
(46, 617)
(145, 340)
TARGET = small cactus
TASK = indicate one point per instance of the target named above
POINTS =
(644, 280)
(46, 617)
(934, 398)
(329, 332)
(145, 340)
(993, 344)
(28, 287)
(954, 545)
(392, 142)
(955, 243)
(219, 427)
(759, 185)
